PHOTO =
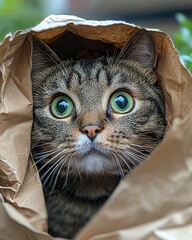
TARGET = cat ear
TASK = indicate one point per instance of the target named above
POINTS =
(141, 48)
(43, 56)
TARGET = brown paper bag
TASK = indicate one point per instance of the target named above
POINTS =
(154, 202)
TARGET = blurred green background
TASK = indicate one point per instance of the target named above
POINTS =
(22, 14)
(19, 14)
(183, 39)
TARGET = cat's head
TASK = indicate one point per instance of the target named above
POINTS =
(96, 116)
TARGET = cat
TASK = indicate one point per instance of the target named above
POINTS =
(95, 120)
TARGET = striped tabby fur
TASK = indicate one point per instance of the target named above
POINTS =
(76, 180)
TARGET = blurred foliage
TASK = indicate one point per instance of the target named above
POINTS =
(183, 39)
(19, 14)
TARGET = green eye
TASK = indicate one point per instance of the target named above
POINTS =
(62, 107)
(121, 102)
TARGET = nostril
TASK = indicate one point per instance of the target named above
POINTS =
(97, 130)
(91, 130)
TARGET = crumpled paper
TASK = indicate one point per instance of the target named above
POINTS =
(154, 202)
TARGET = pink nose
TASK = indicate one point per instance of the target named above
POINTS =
(91, 131)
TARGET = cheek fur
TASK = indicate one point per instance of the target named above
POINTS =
(83, 144)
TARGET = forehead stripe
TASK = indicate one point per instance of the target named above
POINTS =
(74, 74)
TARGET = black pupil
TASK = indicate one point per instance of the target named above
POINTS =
(121, 101)
(62, 105)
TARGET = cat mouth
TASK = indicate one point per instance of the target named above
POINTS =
(95, 151)
(96, 155)
(94, 161)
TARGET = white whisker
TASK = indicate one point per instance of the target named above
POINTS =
(126, 163)
(49, 161)
(77, 167)
(146, 148)
(136, 158)
(67, 175)
(63, 69)
(137, 151)
(122, 174)
(57, 176)
(44, 156)
(52, 169)
(36, 145)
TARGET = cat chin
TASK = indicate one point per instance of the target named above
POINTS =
(94, 163)
(90, 158)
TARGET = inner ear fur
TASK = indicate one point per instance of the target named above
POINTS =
(43, 56)
(141, 48)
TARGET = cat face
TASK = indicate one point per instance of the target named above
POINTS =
(99, 116)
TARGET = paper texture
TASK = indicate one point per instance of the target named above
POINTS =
(155, 202)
